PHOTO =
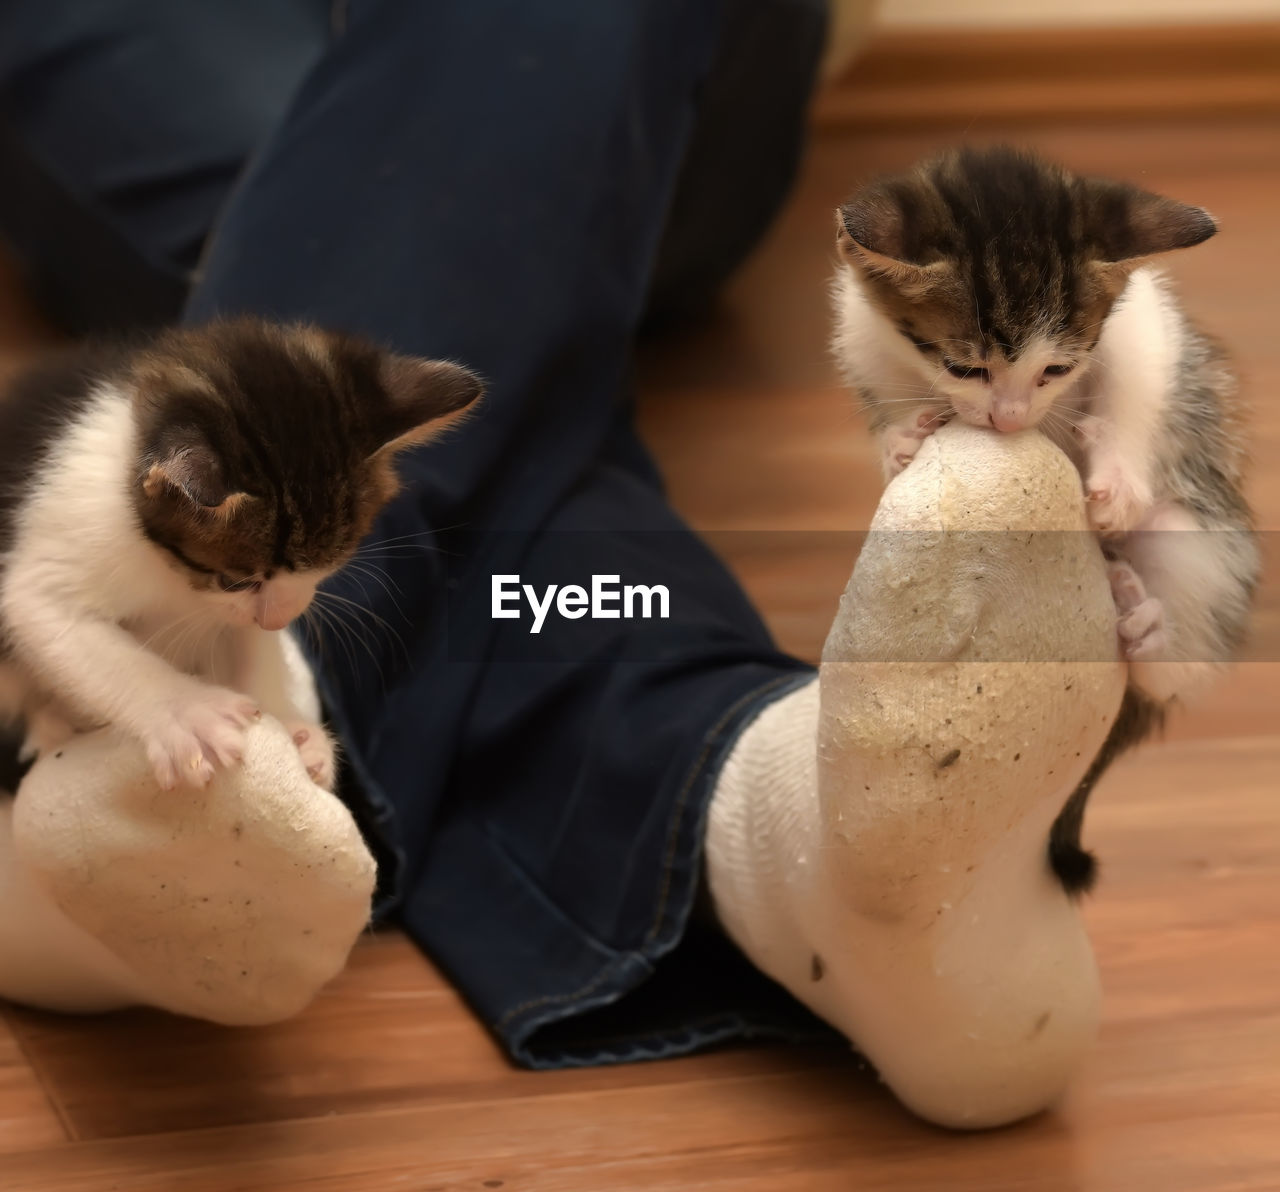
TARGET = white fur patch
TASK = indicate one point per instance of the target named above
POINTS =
(1134, 370)
(96, 614)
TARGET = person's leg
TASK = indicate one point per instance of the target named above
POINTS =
(506, 174)
(743, 152)
(491, 182)
(123, 126)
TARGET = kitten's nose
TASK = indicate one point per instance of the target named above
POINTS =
(281, 601)
(1011, 413)
(1008, 422)
(274, 619)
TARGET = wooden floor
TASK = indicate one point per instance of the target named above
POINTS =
(387, 1082)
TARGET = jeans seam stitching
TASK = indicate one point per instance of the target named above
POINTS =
(696, 770)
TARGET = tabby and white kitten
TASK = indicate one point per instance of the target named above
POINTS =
(166, 509)
(993, 287)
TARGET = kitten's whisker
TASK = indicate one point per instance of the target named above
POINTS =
(375, 570)
(384, 581)
(382, 548)
(915, 397)
(398, 554)
(1053, 421)
(1077, 422)
(921, 397)
(312, 626)
(936, 379)
(336, 632)
(337, 607)
(354, 631)
(397, 538)
(368, 612)
(415, 534)
(308, 628)
(400, 550)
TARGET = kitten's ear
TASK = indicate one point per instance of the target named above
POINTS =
(1128, 224)
(187, 468)
(871, 233)
(424, 396)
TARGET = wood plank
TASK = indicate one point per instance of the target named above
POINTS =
(794, 1130)
(389, 1032)
(1187, 835)
(953, 77)
(27, 1116)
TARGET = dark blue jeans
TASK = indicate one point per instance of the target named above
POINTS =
(517, 185)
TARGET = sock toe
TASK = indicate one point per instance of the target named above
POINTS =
(234, 903)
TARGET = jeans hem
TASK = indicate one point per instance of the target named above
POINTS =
(677, 891)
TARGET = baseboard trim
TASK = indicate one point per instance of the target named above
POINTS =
(905, 79)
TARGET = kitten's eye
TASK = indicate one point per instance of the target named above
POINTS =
(965, 373)
(229, 583)
(1057, 370)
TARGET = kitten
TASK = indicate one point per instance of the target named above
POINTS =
(166, 509)
(993, 287)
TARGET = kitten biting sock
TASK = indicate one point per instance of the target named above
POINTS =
(1061, 322)
(234, 903)
(877, 841)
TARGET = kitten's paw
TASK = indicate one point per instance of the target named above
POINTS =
(1118, 501)
(1141, 623)
(1127, 588)
(315, 748)
(899, 443)
(1142, 632)
(202, 730)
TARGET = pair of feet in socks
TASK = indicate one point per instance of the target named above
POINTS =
(876, 841)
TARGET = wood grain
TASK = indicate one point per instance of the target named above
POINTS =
(347, 1054)
(920, 77)
(387, 1082)
(27, 1116)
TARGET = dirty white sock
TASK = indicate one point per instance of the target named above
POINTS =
(877, 841)
(235, 903)
(46, 959)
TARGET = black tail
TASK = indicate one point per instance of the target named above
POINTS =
(1076, 867)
